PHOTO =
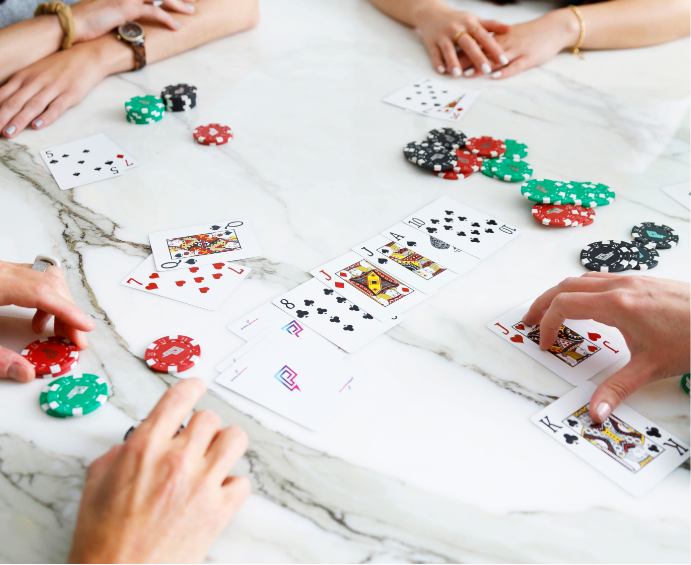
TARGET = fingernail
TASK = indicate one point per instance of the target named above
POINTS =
(469, 72)
(38, 123)
(486, 68)
(9, 130)
(603, 411)
(441, 70)
(503, 59)
(18, 373)
(456, 72)
(496, 74)
(190, 8)
(177, 24)
(89, 322)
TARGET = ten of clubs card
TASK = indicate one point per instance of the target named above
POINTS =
(627, 447)
(578, 354)
(182, 248)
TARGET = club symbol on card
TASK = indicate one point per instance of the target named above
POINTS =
(653, 447)
(151, 286)
(460, 234)
(474, 240)
(65, 155)
(75, 174)
(354, 308)
(572, 423)
(348, 328)
(367, 316)
(80, 162)
(321, 310)
(302, 314)
(97, 168)
(431, 230)
(382, 261)
(309, 302)
(516, 338)
(448, 220)
(328, 291)
(447, 228)
(435, 221)
(462, 218)
(411, 243)
(653, 432)
(335, 319)
(85, 151)
(449, 212)
(474, 232)
(53, 161)
(340, 299)
(491, 223)
(570, 439)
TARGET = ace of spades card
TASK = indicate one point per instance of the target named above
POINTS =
(182, 248)
(579, 353)
(464, 227)
(435, 98)
(628, 448)
(86, 161)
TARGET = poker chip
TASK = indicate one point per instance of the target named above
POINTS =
(486, 167)
(448, 137)
(466, 162)
(514, 150)
(607, 256)
(485, 146)
(663, 237)
(561, 215)
(546, 192)
(213, 134)
(144, 109)
(73, 396)
(413, 149)
(647, 256)
(179, 97)
(53, 355)
(435, 157)
(633, 249)
(509, 170)
(589, 195)
(685, 382)
(452, 175)
(172, 354)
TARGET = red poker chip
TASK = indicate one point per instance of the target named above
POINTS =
(452, 175)
(213, 134)
(172, 354)
(486, 146)
(51, 355)
(563, 215)
(466, 162)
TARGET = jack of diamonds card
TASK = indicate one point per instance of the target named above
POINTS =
(367, 286)
(579, 353)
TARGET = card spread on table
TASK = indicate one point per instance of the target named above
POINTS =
(406, 263)
(429, 246)
(207, 286)
(253, 323)
(181, 248)
(332, 316)
(368, 286)
(627, 447)
(579, 353)
(680, 192)
(86, 161)
(434, 98)
(464, 227)
(286, 375)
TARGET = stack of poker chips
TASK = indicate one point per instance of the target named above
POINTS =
(144, 109)
(179, 97)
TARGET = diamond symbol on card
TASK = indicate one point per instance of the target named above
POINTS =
(343, 274)
(120, 156)
(339, 285)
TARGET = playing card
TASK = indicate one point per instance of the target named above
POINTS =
(293, 379)
(206, 287)
(435, 98)
(182, 248)
(464, 227)
(332, 316)
(680, 192)
(627, 447)
(367, 286)
(86, 161)
(406, 263)
(579, 353)
(252, 324)
(429, 246)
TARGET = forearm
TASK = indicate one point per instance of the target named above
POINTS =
(26, 42)
(410, 12)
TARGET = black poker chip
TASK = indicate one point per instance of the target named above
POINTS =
(448, 137)
(633, 249)
(647, 257)
(413, 149)
(608, 256)
(436, 157)
(179, 97)
(662, 236)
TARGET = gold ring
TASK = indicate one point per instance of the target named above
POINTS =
(472, 31)
(455, 37)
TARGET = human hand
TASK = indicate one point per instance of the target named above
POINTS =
(94, 18)
(439, 27)
(652, 315)
(48, 293)
(160, 497)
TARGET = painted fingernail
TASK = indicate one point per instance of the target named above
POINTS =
(157, 3)
(18, 373)
(603, 411)
(456, 72)
(469, 72)
(503, 59)
(486, 68)
(441, 70)
(38, 123)
(496, 74)
(190, 8)
(9, 130)
(176, 24)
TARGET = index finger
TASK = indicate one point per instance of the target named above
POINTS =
(174, 406)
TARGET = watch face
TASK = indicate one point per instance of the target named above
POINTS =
(131, 31)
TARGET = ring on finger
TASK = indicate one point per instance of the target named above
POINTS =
(472, 31)
(455, 37)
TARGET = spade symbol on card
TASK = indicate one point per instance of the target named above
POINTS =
(653, 432)
(367, 316)
(382, 261)
(151, 286)
(109, 162)
(594, 336)
(85, 151)
(191, 261)
(475, 225)
(348, 328)
(411, 243)
(570, 439)
(385, 251)
(321, 310)
(75, 174)
(328, 291)
(65, 155)
(204, 290)
(460, 234)
(215, 227)
(302, 314)
(80, 162)
(53, 161)
(653, 448)
(474, 232)
(309, 302)
(516, 338)
(488, 230)
(334, 319)
(97, 168)
(153, 276)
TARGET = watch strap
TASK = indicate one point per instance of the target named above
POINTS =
(139, 55)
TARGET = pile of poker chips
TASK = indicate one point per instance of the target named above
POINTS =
(212, 134)
(179, 97)
(54, 356)
(144, 109)
(172, 354)
(640, 254)
(73, 396)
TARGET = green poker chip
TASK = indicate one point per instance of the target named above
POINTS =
(590, 195)
(144, 109)
(685, 382)
(515, 150)
(486, 167)
(546, 192)
(73, 395)
(509, 170)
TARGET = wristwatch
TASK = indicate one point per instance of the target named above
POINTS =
(133, 34)
(42, 262)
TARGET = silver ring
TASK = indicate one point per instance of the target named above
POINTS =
(42, 262)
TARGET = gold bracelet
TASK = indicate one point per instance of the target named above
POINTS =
(64, 14)
(576, 49)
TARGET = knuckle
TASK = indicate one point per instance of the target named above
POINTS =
(620, 389)
(137, 445)
(243, 485)
(237, 435)
(622, 299)
(177, 461)
(209, 418)
(43, 290)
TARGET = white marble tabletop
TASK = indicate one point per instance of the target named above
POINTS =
(434, 459)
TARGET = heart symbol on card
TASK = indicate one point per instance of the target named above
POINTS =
(516, 339)
(217, 275)
(194, 269)
(218, 265)
(592, 348)
(594, 336)
(151, 286)
(520, 327)
(153, 276)
(198, 279)
(204, 290)
(180, 283)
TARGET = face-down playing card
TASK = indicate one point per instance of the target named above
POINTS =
(464, 227)
(578, 354)
(627, 447)
(182, 248)
(331, 315)
(368, 286)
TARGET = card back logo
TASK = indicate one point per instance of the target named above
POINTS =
(287, 376)
(293, 328)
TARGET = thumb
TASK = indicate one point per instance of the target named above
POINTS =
(619, 386)
(14, 366)
(495, 26)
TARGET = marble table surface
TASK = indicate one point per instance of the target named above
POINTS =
(434, 459)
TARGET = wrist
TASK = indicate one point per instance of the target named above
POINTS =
(115, 56)
(429, 11)
(568, 25)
